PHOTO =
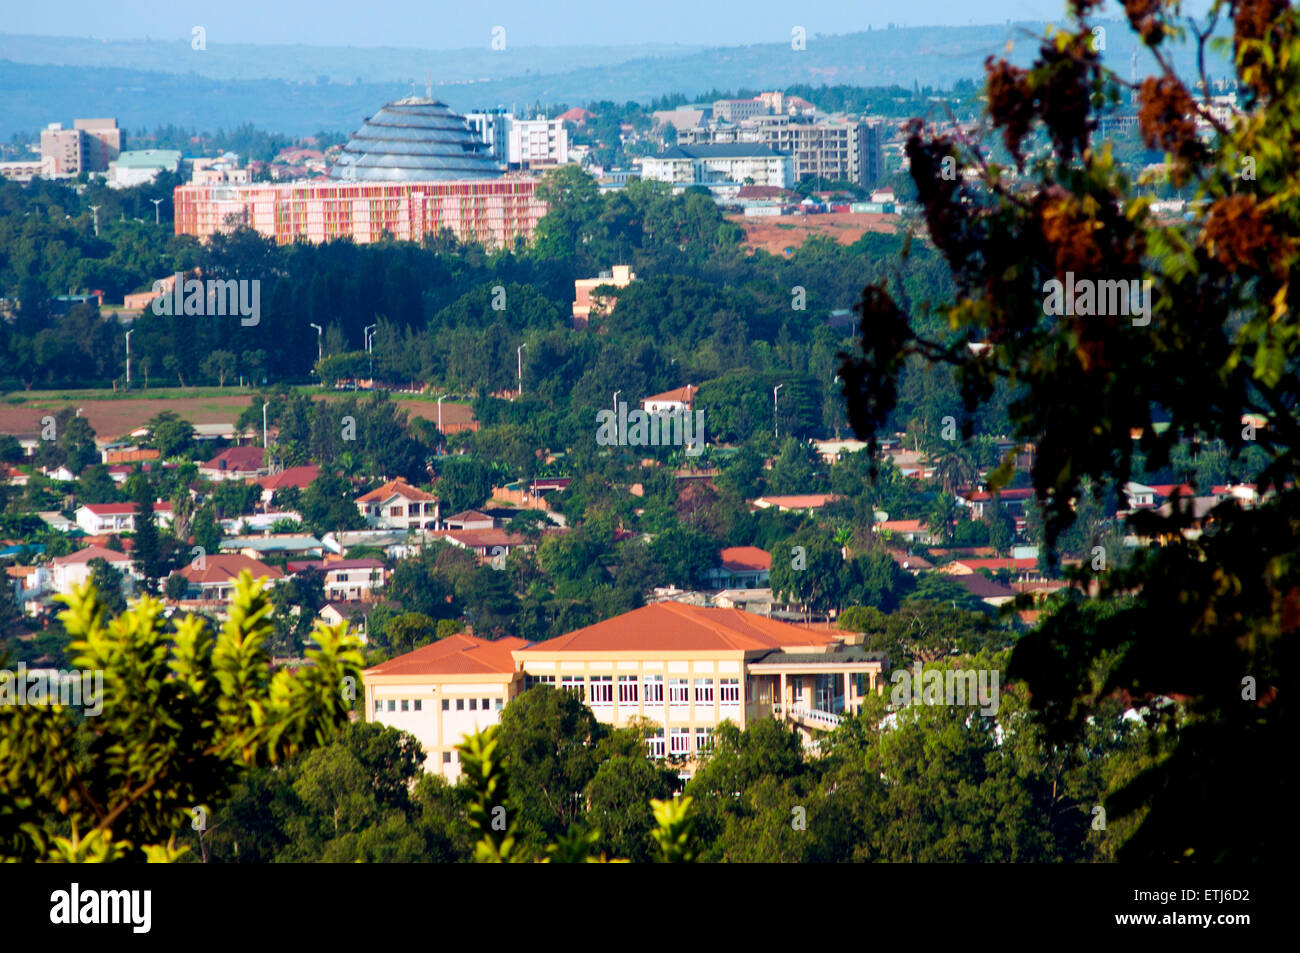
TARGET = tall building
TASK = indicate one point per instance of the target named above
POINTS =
(492, 126)
(521, 143)
(538, 142)
(851, 151)
(89, 146)
(413, 169)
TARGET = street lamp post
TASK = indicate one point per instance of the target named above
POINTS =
(776, 425)
(128, 356)
(94, 210)
(440, 400)
(519, 355)
(369, 333)
(320, 354)
(156, 203)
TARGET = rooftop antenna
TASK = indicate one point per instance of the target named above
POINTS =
(428, 84)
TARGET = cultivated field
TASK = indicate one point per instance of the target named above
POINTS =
(115, 416)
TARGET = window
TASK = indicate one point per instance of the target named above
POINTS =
(531, 680)
(627, 693)
(446, 704)
(392, 704)
(703, 739)
(500, 704)
(417, 704)
(446, 757)
(484, 705)
(655, 742)
(460, 704)
(729, 691)
(406, 705)
(379, 704)
(654, 688)
(602, 689)
(573, 683)
(704, 691)
(679, 691)
(679, 741)
(473, 704)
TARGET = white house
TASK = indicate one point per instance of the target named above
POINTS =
(398, 505)
(97, 518)
(678, 400)
(74, 568)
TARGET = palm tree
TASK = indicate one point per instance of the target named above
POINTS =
(955, 468)
(941, 516)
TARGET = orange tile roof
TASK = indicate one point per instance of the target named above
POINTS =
(682, 395)
(398, 487)
(975, 565)
(474, 538)
(806, 501)
(454, 655)
(676, 627)
(746, 559)
(227, 566)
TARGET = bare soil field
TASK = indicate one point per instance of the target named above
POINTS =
(114, 418)
(774, 234)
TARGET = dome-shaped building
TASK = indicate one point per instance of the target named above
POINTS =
(414, 140)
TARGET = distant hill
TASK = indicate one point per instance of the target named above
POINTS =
(274, 87)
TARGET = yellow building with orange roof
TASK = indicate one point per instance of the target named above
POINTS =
(683, 669)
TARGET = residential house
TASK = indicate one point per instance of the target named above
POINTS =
(235, 463)
(74, 568)
(97, 518)
(680, 400)
(807, 502)
(286, 545)
(297, 478)
(914, 531)
(398, 505)
(214, 578)
(740, 567)
(350, 580)
(469, 519)
(490, 544)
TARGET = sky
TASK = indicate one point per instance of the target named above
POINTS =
(437, 24)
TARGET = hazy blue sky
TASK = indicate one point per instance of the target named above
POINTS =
(436, 24)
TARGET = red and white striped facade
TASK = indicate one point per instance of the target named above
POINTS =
(492, 212)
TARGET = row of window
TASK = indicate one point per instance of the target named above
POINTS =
(678, 742)
(416, 704)
(599, 689)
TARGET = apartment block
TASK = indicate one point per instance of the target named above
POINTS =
(851, 151)
(89, 146)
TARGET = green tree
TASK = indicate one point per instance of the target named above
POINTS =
(120, 785)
